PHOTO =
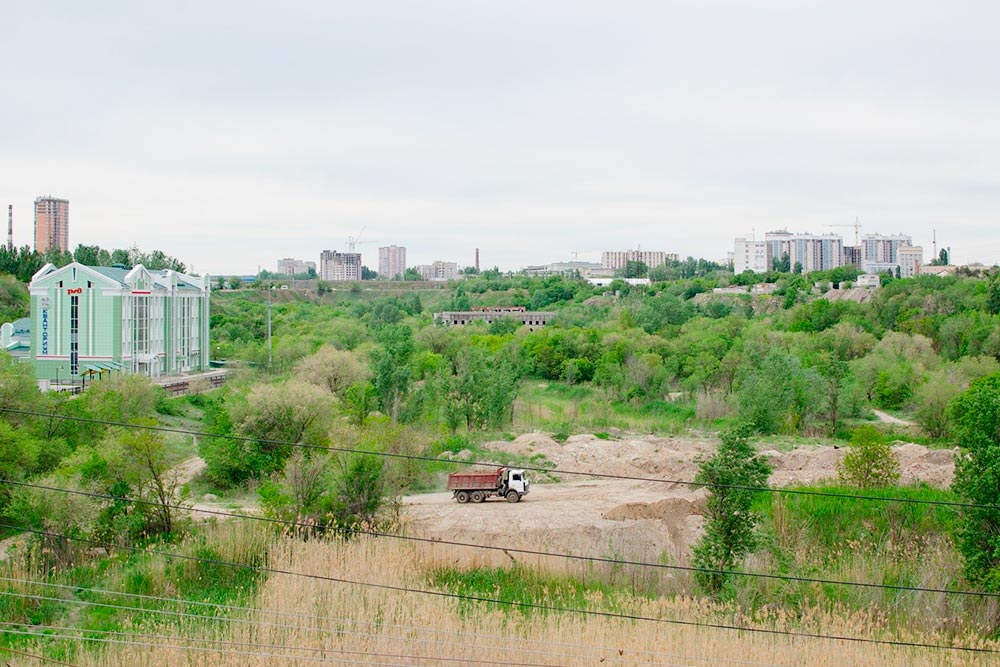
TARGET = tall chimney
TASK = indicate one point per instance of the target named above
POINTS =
(477, 260)
(10, 227)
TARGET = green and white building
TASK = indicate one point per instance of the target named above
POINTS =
(87, 320)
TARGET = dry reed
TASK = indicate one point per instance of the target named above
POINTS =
(313, 621)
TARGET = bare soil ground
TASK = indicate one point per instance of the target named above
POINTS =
(625, 518)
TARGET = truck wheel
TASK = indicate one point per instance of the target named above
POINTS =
(462, 496)
(513, 497)
(477, 496)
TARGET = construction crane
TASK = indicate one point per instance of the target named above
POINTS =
(353, 241)
(857, 231)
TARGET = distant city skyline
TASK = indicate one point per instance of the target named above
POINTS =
(536, 132)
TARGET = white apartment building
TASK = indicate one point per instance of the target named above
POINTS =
(880, 253)
(910, 259)
(339, 266)
(391, 262)
(814, 252)
(291, 267)
(750, 255)
(616, 260)
(438, 271)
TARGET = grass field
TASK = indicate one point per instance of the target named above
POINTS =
(391, 603)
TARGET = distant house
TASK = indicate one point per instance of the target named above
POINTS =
(868, 280)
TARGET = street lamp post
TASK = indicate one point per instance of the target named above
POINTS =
(58, 368)
(269, 288)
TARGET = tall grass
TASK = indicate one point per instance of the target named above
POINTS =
(898, 544)
(345, 622)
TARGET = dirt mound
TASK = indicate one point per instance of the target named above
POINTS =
(627, 517)
(668, 509)
(856, 294)
(919, 464)
(804, 465)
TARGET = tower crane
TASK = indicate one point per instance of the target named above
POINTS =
(353, 241)
(857, 231)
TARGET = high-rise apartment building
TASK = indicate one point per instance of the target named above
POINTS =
(339, 266)
(750, 255)
(852, 255)
(293, 267)
(910, 259)
(812, 252)
(392, 262)
(617, 260)
(880, 253)
(438, 271)
(51, 224)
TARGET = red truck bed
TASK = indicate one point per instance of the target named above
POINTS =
(472, 480)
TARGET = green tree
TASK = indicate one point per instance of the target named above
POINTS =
(729, 518)
(87, 254)
(776, 393)
(993, 295)
(122, 398)
(268, 421)
(359, 491)
(19, 455)
(481, 391)
(833, 374)
(390, 365)
(137, 466)
(301, 493)
(332, 369)
(976, 423)
(360, 399)
(235, 282)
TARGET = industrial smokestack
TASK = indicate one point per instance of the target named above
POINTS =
(10, 227)
(477, 260)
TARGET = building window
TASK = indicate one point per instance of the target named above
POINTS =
(140, 326)
(74, 335)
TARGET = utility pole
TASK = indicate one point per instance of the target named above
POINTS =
(269, 326)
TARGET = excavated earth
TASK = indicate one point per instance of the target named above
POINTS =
(625, 518)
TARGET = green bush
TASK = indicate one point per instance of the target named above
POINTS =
(870, 463)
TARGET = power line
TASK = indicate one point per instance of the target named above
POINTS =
(255, 645)
(201, 649)
(526, 552)
(266, 624)
(579, 473)
(40, 658)
(355, 621)
(526, 605)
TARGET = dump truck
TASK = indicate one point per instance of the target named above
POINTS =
(509, 483)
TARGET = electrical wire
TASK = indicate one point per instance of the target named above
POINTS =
(202, 649)
(580, 473)
(255, 645)
(265, 624)
(355, 621)
(529, 605)
(516, 550)
(40, 658)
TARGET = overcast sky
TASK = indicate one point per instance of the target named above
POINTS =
(231, 134)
